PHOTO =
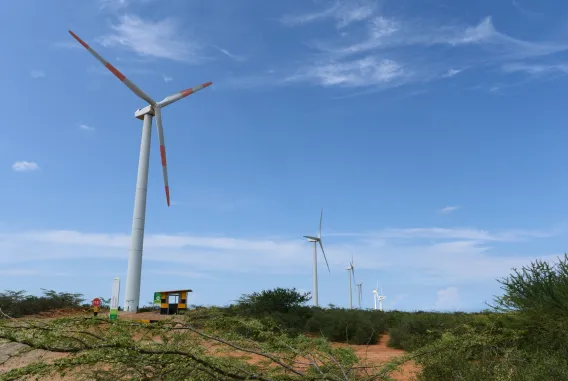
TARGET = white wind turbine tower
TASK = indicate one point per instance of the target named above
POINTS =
(351, 274)
(317, 240)
(132, 293)
(359, 293)
(378, 297)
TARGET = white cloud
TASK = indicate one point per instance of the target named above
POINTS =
(390, 33)
(384, 38)
(448, 299)
(182, 273)
(430, 255)
(344, 12)
(167, 78)
(535, 69)
(25, 166)
(362, 72)
(229, 54)
(448, 209)
(86, 127)
(117, 5)
(160, 39)
(113, 4)
(452, 72)
(37, 73)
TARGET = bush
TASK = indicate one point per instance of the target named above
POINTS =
(17, 303)
(284, 309)
(271, 301)
(349, 326)
(525, 340)
(420, 328)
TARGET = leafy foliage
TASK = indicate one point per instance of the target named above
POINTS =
(526, 341)
(280, 300)
(222, 349)
(17, 303)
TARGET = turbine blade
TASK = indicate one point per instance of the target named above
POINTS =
(321, 217)
(158, 113)
(182, 94)
(324, 257)
(353, 272)
(135, 89)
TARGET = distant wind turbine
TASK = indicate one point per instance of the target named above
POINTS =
(359, 293)
(351, 274)
(317, 240)
(378, 297)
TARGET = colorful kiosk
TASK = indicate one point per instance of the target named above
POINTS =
(172, 302)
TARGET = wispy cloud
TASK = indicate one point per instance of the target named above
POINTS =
(384, 33)
(183, 274)
(363, 72)
(389, 44)
(86, 127)
(344, 13)
(37, 73)
(535, 69)
(432, 254)
(117, 5)
(160, 39)
(25, 166)
(452, 72)
(448, 209)
(229, 54)
(448, 299)
(167, 78)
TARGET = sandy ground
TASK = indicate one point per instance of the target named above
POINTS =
(14, 355)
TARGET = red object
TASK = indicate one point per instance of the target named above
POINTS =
(96, 302)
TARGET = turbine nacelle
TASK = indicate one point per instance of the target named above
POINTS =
(312, 239)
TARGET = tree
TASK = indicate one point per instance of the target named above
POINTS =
(269, 301)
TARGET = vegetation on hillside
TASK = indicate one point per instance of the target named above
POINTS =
(18, 303)
(522, 337)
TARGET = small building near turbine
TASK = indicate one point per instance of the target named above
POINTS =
(173, 302)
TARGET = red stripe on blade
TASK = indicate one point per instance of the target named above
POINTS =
(168, 195)
(185, 93)
(163, 155)
(78, 39)
(114, 71)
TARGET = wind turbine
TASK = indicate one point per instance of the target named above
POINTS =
(359, 293)
(134, 273)
(350, 273)
(381, 298)
(317, 240)
(375, 295)
(378, 297)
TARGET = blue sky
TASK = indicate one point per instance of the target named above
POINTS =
(431, 132)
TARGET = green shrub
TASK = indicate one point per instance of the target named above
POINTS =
(271, 301)
(349, 326)
(17, 303)
(524, 341)
(420, 328)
